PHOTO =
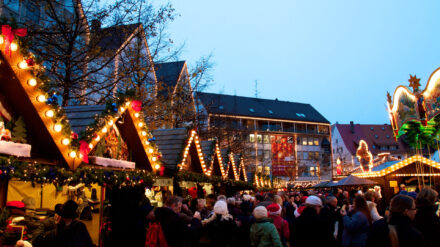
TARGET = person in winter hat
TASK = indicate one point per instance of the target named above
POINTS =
(274, 211)
(263, 233)
(310, 229)
(221, 226)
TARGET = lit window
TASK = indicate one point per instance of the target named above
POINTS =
(305, 155)
(259, 138)
(251, 138)
(316, 142)
(304, 141)
(310, 141)
(266, 139)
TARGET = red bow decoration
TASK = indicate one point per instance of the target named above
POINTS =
(84, 149)
(30, 62)
(136, 105)
(9, 34)
(74, 136)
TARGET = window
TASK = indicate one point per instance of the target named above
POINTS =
(305, 155)
(388, 137)
(270, 111)
(310, 141)
(249, 124)
(266, 154)
(288, 127)
(317, 156)
(304, 141)
(298, 141)
(266, 139)
(374, 146)
(336, 141)
(316, 142)
(311, 155)
(259, 138)
(301, 115)
(260, 152)
(376, 136)
(371, 128)
(383, 128)
(312, 171)
(221, 107)
(393, 147)
(383, 148)
(251, 138)
(251, 110)
(272, 139)
(290, 140)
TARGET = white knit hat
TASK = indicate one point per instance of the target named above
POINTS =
(246, 197)
(260, 212)
(314, 201)
(221, 208)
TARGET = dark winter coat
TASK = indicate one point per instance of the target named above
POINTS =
(175, 229)
(428, 223)
(356, 230)
(311, 230)
(330, 216)
(407, 234)
(264, 234)
(243, 233)
(222, 231)
(379, 234)
(73, 235)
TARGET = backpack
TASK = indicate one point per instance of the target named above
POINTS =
(155, 236)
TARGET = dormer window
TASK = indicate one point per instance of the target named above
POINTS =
(301, 115)
(270, 111)
(371, 128)
(221, 107)
(376, 136)
(251, 110)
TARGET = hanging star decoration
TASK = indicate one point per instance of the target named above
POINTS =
(414, 82)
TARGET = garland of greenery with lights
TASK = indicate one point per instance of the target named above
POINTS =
(12, 168)
(202, 178)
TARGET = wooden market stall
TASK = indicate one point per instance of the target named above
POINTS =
(184, 160)
(415, 172)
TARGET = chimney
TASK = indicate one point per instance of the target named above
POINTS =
(352, 127)
(96, 25)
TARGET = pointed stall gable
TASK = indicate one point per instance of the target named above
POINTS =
(231, 171)
(393, 166)
(181, 149)
(20, 94)
(127, 125)
(212, 151)
(242, 170)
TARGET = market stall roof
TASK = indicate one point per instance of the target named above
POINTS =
(132, 130)
(21, 96)
(181, 150)
(324, 184)
(353, 180)
(242, 170)
(392, 166)
(212, 152)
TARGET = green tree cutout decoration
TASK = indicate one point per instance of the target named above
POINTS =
(19, 131)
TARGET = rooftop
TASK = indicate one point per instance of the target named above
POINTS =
(262, 108)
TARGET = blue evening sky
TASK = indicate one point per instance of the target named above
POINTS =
(339, 56)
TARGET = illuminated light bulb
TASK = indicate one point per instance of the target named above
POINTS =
(98, 138)
(58, 127)
(157, 166)
(23, 64)
(90, 146)
(104, 130)
(154, 159)
(32, 82)
(65, 141)
(41, 98)
(2, 39)
(136, 115)
(150, 150)
(111, 122)
(72, 154)
(80, 155)
(122, 109)
(127, 103)
(140, 124)
(14, 46)
(147, 143)
(50, 113)
(144, 133)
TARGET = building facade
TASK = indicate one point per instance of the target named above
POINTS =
(277, 138)
(346, 139)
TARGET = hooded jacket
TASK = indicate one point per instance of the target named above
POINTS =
(264, 234)
(428, 223)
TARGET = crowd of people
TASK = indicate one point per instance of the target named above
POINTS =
(307, 218)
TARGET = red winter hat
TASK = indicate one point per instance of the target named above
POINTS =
(303, 199)
(274, 209)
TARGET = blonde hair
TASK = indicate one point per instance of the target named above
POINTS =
(278, 200)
